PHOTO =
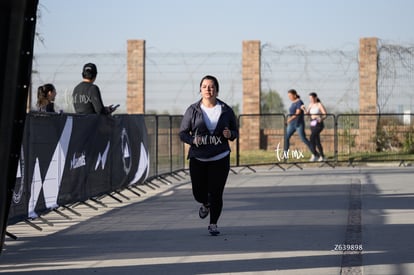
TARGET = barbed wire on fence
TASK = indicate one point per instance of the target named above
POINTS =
(332, 74)
(172, 78)
(64, 71)
(395, 77)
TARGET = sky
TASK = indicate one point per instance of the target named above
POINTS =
(219, 25)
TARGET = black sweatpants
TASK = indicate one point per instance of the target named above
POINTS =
(208, 179)
(315, 138)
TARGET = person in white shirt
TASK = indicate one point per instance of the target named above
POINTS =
(317, 112)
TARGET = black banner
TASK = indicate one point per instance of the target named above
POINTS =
(71, 158)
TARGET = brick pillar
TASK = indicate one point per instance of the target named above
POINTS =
(250, 128)
(136, 77)
(368, 92)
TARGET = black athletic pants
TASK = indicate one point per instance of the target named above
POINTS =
(315, 138)
(208, 179)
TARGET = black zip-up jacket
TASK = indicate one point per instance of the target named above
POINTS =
(211, 144)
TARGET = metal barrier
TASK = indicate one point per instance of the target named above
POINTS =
(167, 154)
(375, 137)
(346, 138)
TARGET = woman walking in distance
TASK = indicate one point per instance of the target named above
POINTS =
(317, 113)
(295, 122)
(207, 126)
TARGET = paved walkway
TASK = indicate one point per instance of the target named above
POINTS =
(273, 222)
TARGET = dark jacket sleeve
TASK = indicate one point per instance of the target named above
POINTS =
(185, 128)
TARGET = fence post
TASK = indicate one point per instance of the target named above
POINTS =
(136, 77)
(251, 95)
(368, 91)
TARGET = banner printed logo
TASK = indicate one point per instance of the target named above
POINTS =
(126, 151)
(143, 165)
(78, 160)
(102, 158)
(51, 184)
(17, 196)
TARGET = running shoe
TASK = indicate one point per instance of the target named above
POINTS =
(212, 229)
(203, 212)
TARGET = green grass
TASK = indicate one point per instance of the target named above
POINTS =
(377, 156)
(258, 157)
(268, 157)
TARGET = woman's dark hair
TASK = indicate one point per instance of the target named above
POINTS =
(210, 77)
(315, 96)
(293, 92)
(42, 92)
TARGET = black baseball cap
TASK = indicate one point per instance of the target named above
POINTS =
(89, 69)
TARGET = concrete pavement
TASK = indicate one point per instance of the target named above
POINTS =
(343, 220)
